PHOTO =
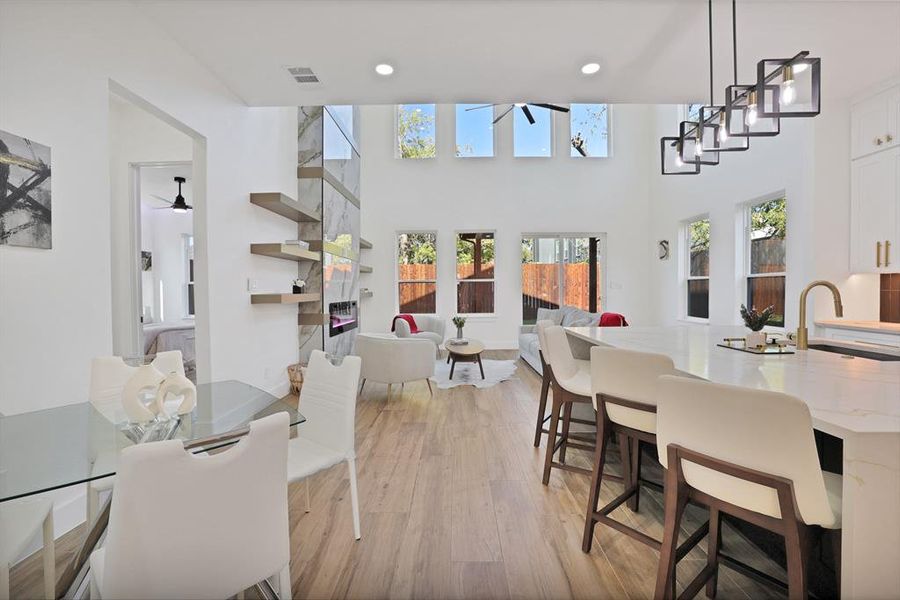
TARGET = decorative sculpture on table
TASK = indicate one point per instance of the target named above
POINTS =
(177, 385)
(148, 382)
(143, 383)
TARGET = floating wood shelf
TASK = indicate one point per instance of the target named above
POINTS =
(365, 269)
(285, 206)
(283, 298)
(285, 251)
(365, 244)
(312, 319)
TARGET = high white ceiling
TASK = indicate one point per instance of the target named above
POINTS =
(651, 51)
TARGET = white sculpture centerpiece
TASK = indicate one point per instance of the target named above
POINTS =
(145, 393)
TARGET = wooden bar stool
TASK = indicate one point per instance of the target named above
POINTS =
(750, 454)
(625, 394)
(542, 417)
(570, 380)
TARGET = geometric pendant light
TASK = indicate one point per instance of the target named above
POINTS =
(671, 161)
(798, 84)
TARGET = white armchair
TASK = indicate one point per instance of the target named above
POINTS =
(390, 360)
(431, 327)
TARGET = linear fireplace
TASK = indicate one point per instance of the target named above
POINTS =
(343, 317)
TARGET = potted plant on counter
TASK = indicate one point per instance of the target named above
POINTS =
(755, 320)
(459, 322)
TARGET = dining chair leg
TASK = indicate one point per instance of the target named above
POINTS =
(362, 384)
(712, 555)
(596, 478)
(49, 555)
(674, 504)
(284, 582)
(796, 550)
(430, 389)
(634, 455)
(354, 497)
(567, 420)
(4, 581)
(551, 438)
(542, 408)
(306, 493)
(93, 502)
(625, 459)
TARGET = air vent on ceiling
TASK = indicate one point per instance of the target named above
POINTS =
(303, 75)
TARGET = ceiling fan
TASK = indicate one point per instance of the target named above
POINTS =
(524, 106)
(179, 206)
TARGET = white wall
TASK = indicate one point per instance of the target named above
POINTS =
(57, 61)
(512, 196)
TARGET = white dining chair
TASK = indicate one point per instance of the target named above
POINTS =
(190, 526)
(748, 453)
(20, 522)
(109, 374)
(328, 401)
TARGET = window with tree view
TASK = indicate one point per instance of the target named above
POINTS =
(475, 273)
(767, 266)
(589, 130)
(697, 235)
(415, 131)
(416, 272)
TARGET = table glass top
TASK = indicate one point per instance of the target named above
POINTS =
(66, 445)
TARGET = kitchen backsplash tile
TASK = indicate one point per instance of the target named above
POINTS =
(890, 298)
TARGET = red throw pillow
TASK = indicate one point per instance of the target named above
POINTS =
(409, 319)
(610, 319)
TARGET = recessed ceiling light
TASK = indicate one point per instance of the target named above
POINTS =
(384, 69)
(590, 68)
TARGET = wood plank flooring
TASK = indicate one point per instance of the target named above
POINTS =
(452, 506)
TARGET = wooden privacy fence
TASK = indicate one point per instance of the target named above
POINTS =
(540, 288)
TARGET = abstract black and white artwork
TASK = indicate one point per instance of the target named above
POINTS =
(25, 209)
(146, 260)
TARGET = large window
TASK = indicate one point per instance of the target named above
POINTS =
(766, 268)
(589, 129)
(475, 273)
(416, 272)
(561, 269)
(415, 131)
(697, 268)
(532, 139)
(474, 130)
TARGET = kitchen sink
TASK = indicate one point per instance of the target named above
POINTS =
(855, 352)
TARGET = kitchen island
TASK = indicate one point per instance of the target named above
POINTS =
(854, 399)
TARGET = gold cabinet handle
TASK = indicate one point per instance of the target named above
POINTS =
(878, 254)
(887, 253)
(878, 141)
(888, 138)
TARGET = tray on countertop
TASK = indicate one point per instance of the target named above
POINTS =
(767, 349)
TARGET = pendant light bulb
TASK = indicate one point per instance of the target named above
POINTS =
(678, 162)
(788, 93)
(751, 109)
(723, 128)
(698, 143)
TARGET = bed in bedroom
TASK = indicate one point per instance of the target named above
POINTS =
(160, 337)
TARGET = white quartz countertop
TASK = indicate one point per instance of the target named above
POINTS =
(873, 326)
(845, 396)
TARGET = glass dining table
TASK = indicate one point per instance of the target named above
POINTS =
(74, 444)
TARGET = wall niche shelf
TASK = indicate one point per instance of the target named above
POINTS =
(365, 269)
(285, 206)
(283, 298)
(285, 251)
(365, 244)
(312, 319)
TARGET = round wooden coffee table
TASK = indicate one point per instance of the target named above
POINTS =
(465, 353)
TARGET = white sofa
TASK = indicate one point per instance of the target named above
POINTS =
(431, 327)
(567, 316)
(389, 359)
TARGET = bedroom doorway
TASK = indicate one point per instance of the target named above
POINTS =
(157, 187)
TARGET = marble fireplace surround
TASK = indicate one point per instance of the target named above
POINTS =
(328, 174)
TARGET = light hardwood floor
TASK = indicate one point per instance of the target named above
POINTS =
(452, 506)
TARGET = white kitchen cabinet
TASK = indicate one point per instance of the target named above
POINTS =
(875, 122)
(875, 213)
(865, 337)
